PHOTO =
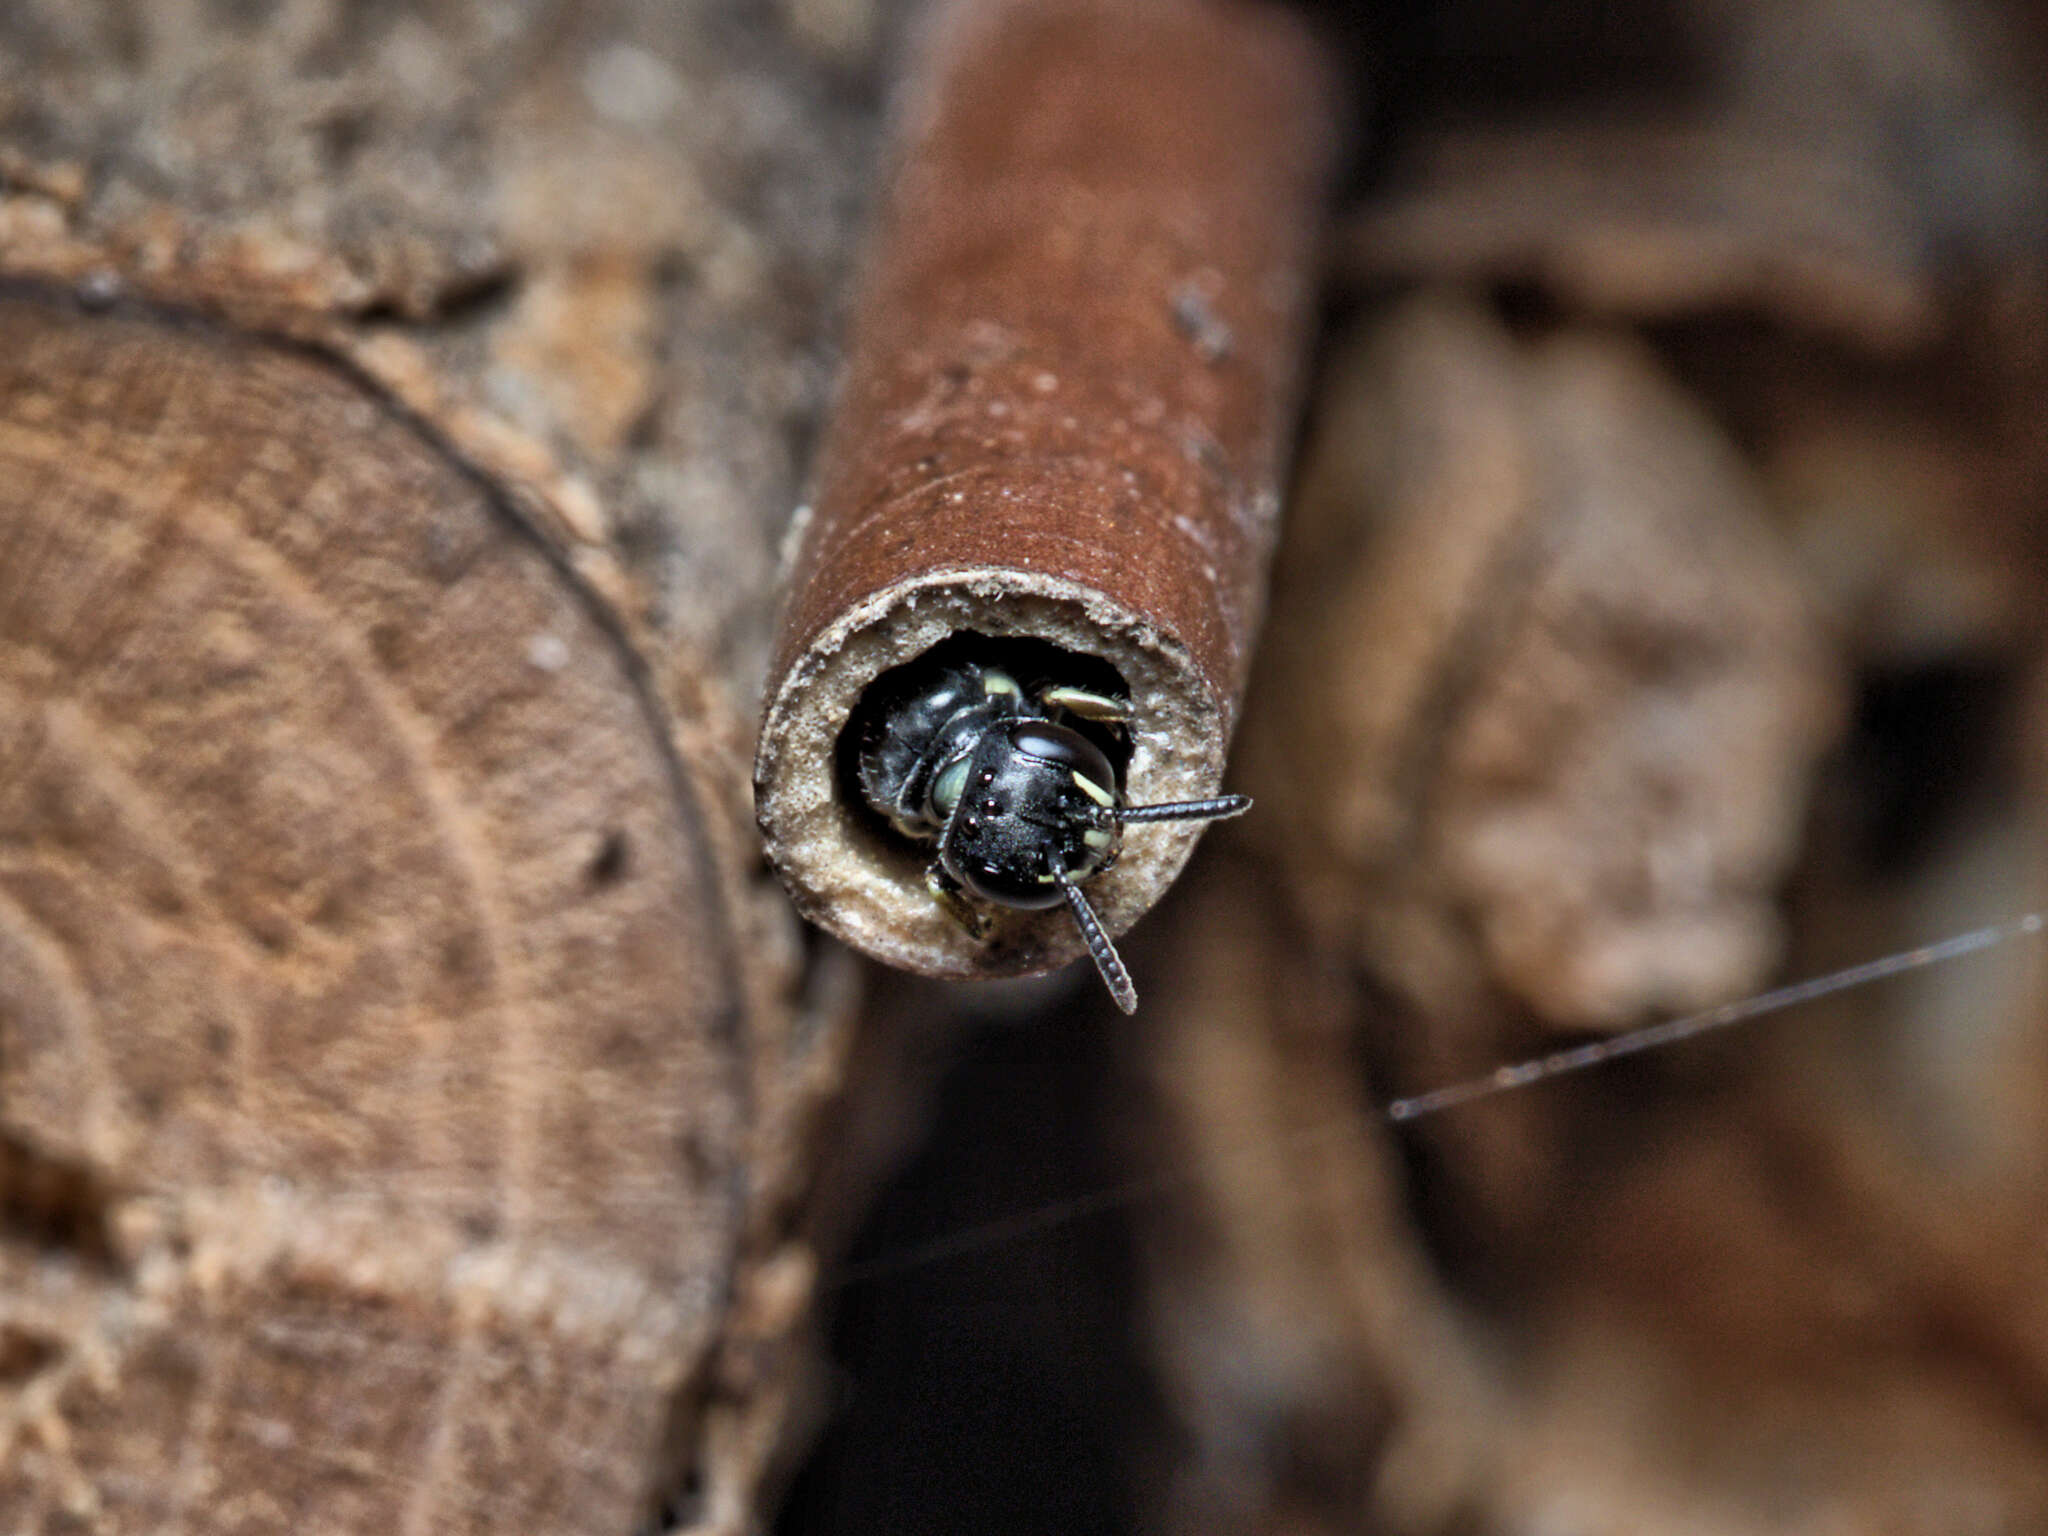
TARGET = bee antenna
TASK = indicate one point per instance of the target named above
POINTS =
(1188, 810)
(1107, 961)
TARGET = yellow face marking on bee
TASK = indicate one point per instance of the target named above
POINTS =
(1097, 838)
(1093, 790)
(999, 682)
(946, 790)
(1089, 706)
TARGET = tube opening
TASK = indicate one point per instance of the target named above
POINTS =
(1034, 664)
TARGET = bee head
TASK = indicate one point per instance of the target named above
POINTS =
(1034, 803)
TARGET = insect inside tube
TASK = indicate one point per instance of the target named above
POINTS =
(1011, 782)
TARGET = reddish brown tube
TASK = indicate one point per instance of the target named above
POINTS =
(1070, 388)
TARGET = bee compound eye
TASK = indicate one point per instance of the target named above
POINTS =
(1009, 878)
(1069, 749)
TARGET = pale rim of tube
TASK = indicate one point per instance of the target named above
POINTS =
(867, 888)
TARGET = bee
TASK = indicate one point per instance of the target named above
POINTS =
(1019, 797)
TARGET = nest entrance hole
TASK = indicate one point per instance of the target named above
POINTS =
(1034, 663)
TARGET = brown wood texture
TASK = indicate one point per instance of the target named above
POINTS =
(1069, 395)
(405, 1094)
(366, 953)
(1550, 692)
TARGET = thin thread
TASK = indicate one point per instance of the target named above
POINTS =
(1655, 1036)
(1006, 1229)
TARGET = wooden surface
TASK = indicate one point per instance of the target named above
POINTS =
(404, 1086)
(367, 961)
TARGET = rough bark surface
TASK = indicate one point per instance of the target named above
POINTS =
(597, 242)
(404, 1086)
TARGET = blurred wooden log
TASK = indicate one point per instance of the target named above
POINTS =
(1318, 1377)
(1549, 693)
(1844, 171)
(1535, 605)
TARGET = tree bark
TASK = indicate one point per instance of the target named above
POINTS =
(403, 1073)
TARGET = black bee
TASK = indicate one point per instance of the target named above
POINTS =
(1023, 806)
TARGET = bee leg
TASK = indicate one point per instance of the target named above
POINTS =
(1099, 707)
(957, 906)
